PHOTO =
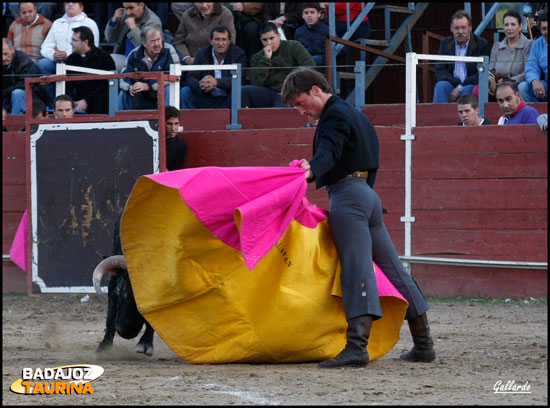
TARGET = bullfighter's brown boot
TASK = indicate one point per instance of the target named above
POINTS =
(423, 349)
(355, 353)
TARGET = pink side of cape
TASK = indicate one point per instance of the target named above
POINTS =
(264, 199)
(18, 250)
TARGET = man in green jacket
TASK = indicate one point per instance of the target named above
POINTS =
(271, 65)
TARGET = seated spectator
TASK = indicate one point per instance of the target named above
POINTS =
(29, 30)
(57, 45)
(313, 33)
(179, 9)
(468, 111)
(340, 14)
(151, 56)
(508, 57)
(460, 77)
(286, 16)
(515, 111)
(176, 148)
(48, 10)
(535, 86)
(16, 66)
(38, 110)
(193, 33)
(90, 96)
(125, 27)
(212, 89)
(271, 66)
(63, 107)
(248, 21)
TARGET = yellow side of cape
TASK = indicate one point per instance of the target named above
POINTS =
(208, 307)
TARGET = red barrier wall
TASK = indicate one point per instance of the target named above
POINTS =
(477, 193)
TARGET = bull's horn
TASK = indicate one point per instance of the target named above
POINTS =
(107, 265)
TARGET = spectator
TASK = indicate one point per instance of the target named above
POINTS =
(176, 148)
(125, 27)
(286, 16)
(468, 111)
(179, 9)
(313, 34)
(16, 66)
(90, 96)
(151, 56)
(57, 45)
(63, 107)
(48, 10)
(271, 65)
(340, 14)
(212, 89)
(38, 111)
(535, 86)
(193, 33)
(29, 30)
(460, 77)
(508, 56)
(515, 111)
(247, 18)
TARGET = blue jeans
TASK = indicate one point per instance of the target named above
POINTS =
(126, 101)
(260, 97)
(17, 102)
(444, 88)
(528, 95)
(187, 101)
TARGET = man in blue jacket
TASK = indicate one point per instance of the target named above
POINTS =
(313, 34)
(535, 86)
(458, 78)
(151, 56)
(212, 89)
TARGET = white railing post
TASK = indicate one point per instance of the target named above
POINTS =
(60, 69)
(174, 86)
(408, 137)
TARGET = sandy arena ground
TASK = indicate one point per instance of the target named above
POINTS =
(479, 342)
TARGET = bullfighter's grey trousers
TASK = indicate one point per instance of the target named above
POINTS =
(360, 236)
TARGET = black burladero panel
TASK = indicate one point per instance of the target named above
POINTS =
(84, 175)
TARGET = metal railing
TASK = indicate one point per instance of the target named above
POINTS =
(236, 78)
(408, 137)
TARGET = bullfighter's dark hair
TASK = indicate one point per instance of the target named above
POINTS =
(302, 80)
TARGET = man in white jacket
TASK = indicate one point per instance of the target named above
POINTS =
(57, 45)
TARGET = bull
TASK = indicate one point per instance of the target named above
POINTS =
(123, 316)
